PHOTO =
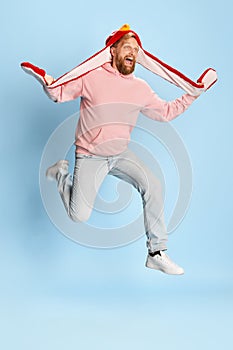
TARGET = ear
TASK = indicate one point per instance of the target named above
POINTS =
(113, 51)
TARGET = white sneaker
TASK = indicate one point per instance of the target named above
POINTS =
(61, 167)
(163, 263)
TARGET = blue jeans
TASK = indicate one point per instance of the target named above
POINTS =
(78, 194)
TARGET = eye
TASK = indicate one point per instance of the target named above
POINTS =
(129, 48)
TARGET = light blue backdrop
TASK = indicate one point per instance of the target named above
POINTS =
(56, 294)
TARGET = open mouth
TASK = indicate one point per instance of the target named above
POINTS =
(129, 61)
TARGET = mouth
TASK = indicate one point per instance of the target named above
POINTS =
(129, 61)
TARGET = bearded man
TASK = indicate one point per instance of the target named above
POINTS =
(111, 100)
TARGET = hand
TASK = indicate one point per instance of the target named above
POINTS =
(49, 79)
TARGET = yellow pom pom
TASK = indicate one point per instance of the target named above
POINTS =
(124, 28)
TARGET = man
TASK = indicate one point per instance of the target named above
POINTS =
(111, 100)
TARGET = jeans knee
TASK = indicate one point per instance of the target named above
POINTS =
(153, 190)
(158, 185)
(153, 184)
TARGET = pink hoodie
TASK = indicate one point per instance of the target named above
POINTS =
(109, 108)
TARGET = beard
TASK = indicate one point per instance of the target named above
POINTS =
(122, 67)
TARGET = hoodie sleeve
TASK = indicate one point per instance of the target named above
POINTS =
(66, 92)
(161, 110)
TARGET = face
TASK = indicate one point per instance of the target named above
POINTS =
(125, 55)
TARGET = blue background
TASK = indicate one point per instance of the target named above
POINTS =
(56, 294)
